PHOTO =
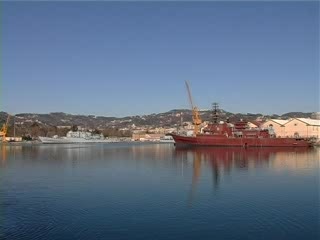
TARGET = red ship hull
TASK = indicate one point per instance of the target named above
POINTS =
(223, 141)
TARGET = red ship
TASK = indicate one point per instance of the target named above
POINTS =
(226, 134)
(237, 135)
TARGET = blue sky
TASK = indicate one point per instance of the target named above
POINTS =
(132, 58)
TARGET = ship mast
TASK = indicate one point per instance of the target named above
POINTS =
(215, 112)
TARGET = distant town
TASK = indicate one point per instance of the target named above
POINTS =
(152, 127)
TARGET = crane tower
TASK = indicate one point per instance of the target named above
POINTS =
(196, 120)
(4, 129)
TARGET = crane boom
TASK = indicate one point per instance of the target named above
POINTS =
(196, 120)
(189, 95)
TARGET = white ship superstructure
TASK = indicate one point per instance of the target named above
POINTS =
(167, 139)
(77, 137)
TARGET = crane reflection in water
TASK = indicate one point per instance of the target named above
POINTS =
(3, 153)
(222, 161)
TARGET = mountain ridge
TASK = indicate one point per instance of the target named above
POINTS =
(58, 123)
(62, 118)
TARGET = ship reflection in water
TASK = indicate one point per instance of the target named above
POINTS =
(222, 161)
(152, 191)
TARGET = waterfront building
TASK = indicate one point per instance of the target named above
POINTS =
(303, 127)
(14, 139)
(277, 125)
(295, 127)
(254, 124)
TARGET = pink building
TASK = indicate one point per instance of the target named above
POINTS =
(278, 126)
(303, 127)
(295, 127)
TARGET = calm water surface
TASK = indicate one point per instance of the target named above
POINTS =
(154, 191)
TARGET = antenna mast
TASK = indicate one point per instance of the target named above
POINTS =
(215, 112)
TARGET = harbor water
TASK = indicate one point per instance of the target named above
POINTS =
(155, 191)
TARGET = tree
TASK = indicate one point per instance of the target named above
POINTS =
(74, 128)
(96, 131)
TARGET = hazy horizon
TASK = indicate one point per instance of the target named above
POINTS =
(143, 114)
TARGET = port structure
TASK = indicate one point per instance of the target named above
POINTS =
(4, 129)
(196, 120)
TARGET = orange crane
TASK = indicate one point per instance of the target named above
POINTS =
(4, 129)
(196, 120)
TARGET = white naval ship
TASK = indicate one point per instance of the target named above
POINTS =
(77, 137)
(166, 139)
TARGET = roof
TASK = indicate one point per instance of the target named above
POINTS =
(279, 121)
(257, 123)
(154, 135)
(309, 121)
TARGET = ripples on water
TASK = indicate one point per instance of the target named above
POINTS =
(154, 191)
